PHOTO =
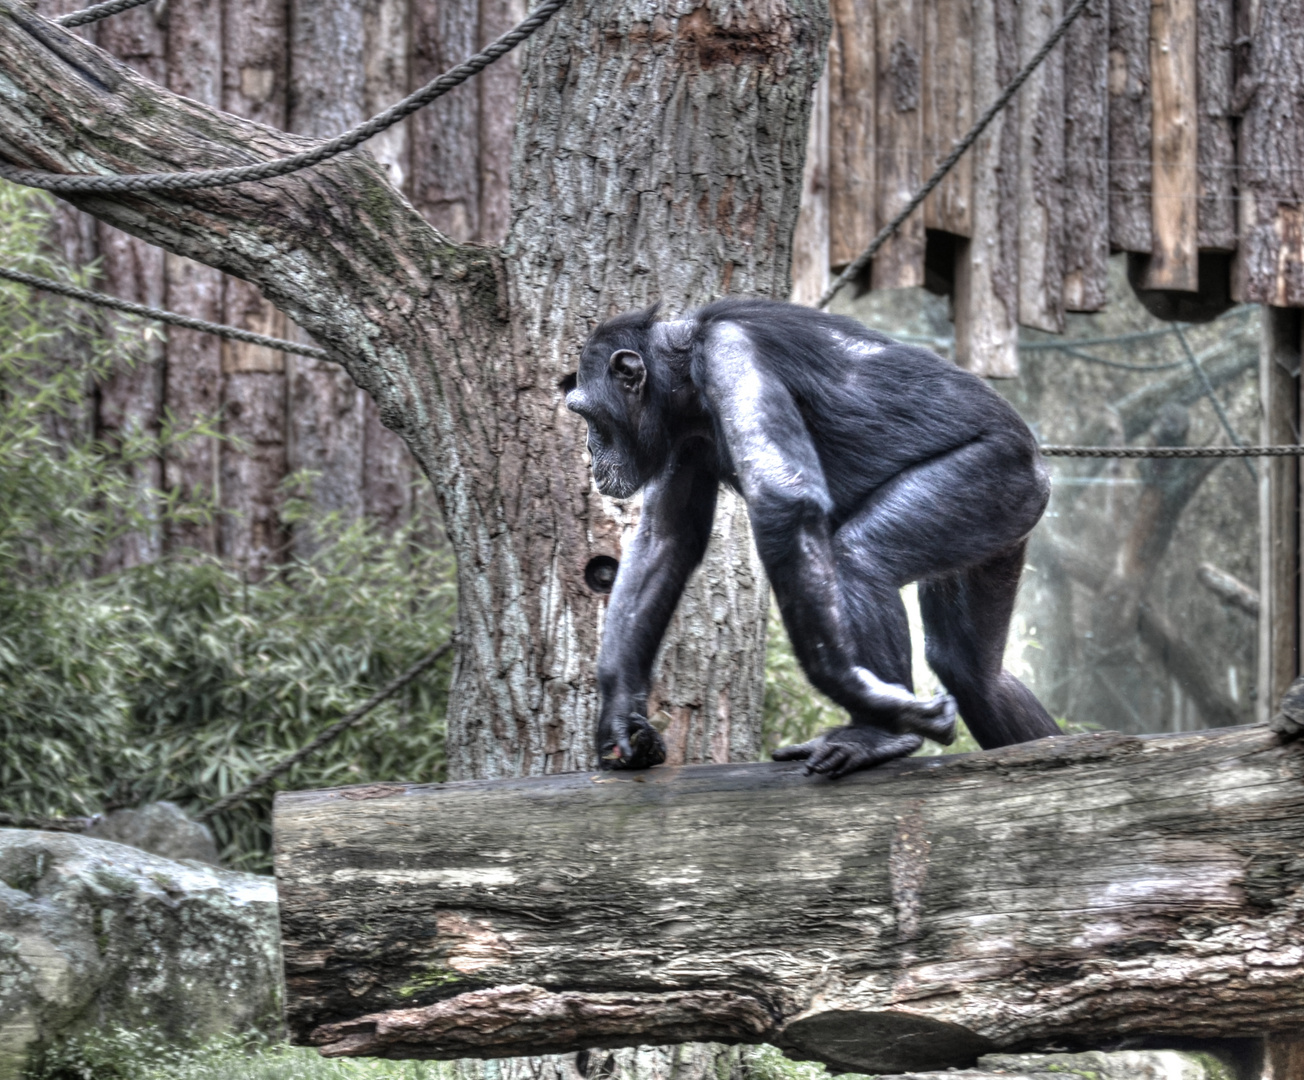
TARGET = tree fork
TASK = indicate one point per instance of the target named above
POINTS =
(1074, 890)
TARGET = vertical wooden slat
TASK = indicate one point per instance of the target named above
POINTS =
(1041, 174)
(1129, 125)
(1175, 177)
(498, 86)
(387, 26)
(948, 110)
(852, 169)
(254, 85)
(899, 33)
(131, 398)
(1269, 265)
(810, 240)
(325, 407)
(193, 382)
(986, 282)
(446, 135)
(387, 465)
(1215, 42)
(1086, 169)
(1283, 1055)
(1279, 508)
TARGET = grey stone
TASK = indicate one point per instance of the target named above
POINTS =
(160, 828)
(1091, 1065)
(95, 934)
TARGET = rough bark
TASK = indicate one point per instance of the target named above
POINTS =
(1086, 160)
(1125, 886)
(498, 88)
(1215, 37)
(1270, 258)
(986, 286)
(948, 111)
(1129, 125)
(852, 169)
(899, 127)
(1041, 174)
(1174, 156)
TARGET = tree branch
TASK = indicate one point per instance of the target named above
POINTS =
(335, 247)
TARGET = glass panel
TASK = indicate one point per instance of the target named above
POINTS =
(1139, 602)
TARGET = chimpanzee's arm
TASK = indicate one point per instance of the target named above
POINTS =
(673, 530)
(788, 500)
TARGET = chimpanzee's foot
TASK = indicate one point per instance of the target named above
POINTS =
(842, 750)
(632, 744)
(934, 719)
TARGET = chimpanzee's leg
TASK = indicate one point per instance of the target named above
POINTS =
(966, 619)
(941, 517)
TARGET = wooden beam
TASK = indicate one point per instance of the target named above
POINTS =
(810, 239)
(1086, 165)
(1041, 174)
(852, 97)
(987, 268)
(1215, 41)
(1129, 125)
(899, 36)
(948, 111)
(1088, 887)
(1279, 508)
(1269, 267)
(1174, 160)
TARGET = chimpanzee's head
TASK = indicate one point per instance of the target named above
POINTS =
(620, 393)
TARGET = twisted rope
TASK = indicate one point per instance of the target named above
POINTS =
(158, 314)
(96, 12)
(1172, 451)
(885, 233)
(266, 170)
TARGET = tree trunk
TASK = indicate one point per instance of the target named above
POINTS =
(687, 189)
(1087, 888)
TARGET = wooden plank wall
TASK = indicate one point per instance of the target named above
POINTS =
(315, 67)
(1160, 127)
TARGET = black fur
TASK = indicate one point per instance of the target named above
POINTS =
(866, 464)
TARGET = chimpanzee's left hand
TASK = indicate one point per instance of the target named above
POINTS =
(629, 741)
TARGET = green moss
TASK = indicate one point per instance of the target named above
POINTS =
(432, 979)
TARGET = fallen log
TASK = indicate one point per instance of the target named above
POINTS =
(1066, 892)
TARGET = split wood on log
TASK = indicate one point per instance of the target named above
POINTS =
(912, 917)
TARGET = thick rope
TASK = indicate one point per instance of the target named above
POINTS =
(1172, 451)
(885, 233)
(159, 315)
(207, 178)
(328, 736)
(97, 12)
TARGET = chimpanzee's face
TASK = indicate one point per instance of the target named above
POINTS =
(612, 394)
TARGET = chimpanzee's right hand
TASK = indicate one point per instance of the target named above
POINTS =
(628, 741)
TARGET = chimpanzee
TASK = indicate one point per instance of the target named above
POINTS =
(866, 464)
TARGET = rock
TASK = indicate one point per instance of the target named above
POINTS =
(1091, 1065)
(95, 934)
(160, 828)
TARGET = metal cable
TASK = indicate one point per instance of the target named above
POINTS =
(329, 735)
(158, 314)
(266, 170)
(1172, 451)
(1207, 386)
(96, 12)
(859, 264)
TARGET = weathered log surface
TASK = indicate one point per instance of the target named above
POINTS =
(912, 917)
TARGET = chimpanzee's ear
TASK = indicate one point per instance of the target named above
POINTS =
(626, 367)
